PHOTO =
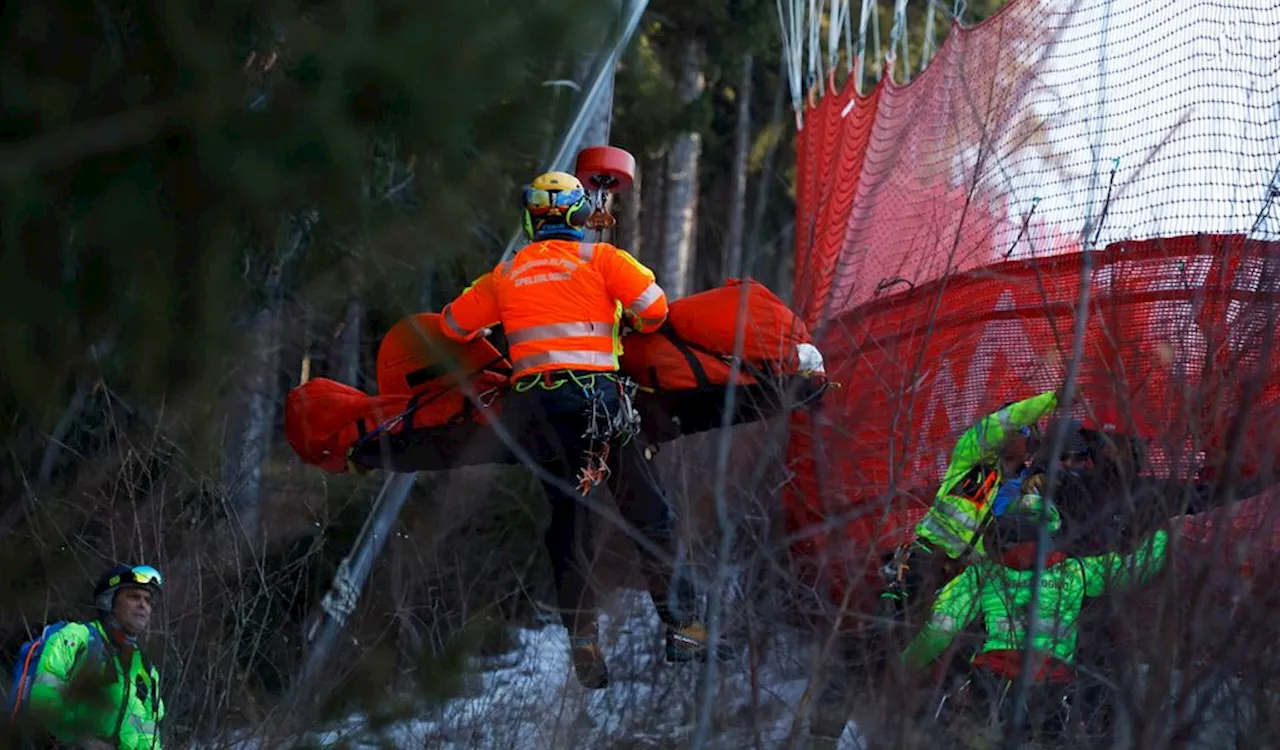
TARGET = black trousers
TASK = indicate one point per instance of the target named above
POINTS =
(553, 417)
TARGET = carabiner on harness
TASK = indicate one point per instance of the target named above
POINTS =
(627, 421)
(599, 435)
(605, 428)
(895, 570)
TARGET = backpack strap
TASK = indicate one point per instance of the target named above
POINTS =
(95, 637)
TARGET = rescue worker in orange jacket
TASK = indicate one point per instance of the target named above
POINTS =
(561, 302)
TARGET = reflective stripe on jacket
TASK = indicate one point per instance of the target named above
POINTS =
(559, 303)
(955, 520)
(127, 712)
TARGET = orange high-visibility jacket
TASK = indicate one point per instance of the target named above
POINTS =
(560, 303)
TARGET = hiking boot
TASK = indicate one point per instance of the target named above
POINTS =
(588, 663)
(689, 642)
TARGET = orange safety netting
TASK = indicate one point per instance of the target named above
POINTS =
(939, 235)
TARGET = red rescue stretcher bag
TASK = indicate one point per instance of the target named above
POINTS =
(422, 420)
(685, 367)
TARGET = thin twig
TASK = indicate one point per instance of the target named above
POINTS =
(1023, 686)
(723, 524)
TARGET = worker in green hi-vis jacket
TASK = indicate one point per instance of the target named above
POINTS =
(93, 687)
(999, 588)
(987, 455)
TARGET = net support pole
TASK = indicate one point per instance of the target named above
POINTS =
(339, 602)
(600, 82)
(325, 624)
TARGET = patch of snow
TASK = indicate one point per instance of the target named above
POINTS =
(532, 701)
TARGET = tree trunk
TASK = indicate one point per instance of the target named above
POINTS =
(652, 202)
(738, 174)
(691, 275)
(249, 441)
(257, 394)
(629, 230)
(682, 180)
(764, 183)
(784, 262)
(346, 350)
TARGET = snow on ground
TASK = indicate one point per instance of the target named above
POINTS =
(530, 700)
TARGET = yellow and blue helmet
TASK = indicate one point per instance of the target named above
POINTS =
(555, 205)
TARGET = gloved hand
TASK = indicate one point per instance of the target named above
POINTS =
(1008, 492)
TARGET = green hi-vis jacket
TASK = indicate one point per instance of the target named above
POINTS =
(127, 712)
(955, 519)
(1003, 596)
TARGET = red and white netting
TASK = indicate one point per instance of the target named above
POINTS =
(941, 227)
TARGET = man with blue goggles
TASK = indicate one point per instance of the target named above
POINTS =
(115, 700)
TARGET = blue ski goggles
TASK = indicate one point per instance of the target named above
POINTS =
(545, 201)
(141, 575)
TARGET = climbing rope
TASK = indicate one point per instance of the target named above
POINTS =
(927, 49)
(815, 64)
(848, 40)
(860, 65)
(815, 33)
(838, 26)
(790, 20)
(897, 33)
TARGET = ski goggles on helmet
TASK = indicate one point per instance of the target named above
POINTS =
(141, 575)
(540, 201)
